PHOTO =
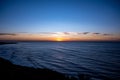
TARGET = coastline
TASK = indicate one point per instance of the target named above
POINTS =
(2, 43)
(16, 72)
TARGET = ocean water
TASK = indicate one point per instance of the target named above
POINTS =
(71, 58)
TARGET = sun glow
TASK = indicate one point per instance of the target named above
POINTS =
(59, 39)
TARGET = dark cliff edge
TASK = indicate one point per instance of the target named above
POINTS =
(3, 43)
(9, 71)
(16, 72)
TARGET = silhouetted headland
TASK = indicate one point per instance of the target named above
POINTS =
(2, 43)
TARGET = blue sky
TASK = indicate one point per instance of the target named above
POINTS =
(34, 16)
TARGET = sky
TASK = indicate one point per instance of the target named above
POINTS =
(59, 20)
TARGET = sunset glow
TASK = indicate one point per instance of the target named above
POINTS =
(59, 39)
(61, 36)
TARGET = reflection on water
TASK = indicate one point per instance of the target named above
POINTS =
(93, 58)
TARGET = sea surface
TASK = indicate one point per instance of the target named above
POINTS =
(71, 58)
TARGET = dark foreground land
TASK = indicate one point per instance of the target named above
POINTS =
(9, 71)
(2, 43)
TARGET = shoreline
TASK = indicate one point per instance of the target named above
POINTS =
(17, 72)
(3, 43)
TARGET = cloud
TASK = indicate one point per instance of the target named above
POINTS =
(104, 34)
(46, 32)
(79, 33)
(107, 34)
(96, 33)
(58, 33)
(66, 33)
(12, 34)
(85, 33)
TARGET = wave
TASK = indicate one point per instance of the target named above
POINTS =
(68, 58)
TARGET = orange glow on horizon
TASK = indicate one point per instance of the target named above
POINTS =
(59, 39)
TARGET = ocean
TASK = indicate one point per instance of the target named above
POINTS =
(70, 58)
